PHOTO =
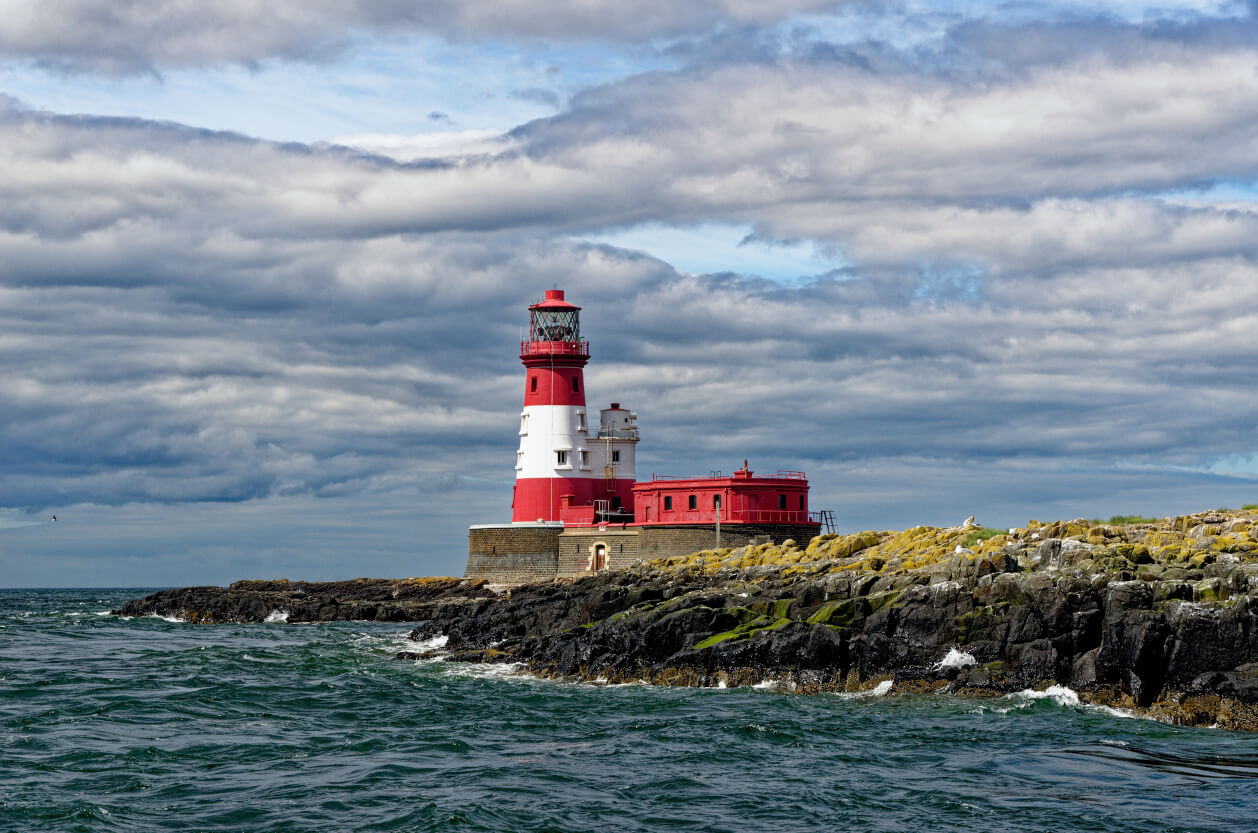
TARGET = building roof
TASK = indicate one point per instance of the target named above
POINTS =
(554, 300)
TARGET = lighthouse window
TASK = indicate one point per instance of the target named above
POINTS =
(576, 384)
(716, 501)
(561, 457)
(615, 456)
(533, 384)
(801, 503)
(524, 423)
(585, 458)
(693, 502)
(781, 501)
(668, 503)
(580, 421)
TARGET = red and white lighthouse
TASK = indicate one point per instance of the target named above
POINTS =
(564, 460)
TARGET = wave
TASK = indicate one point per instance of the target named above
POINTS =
(1059, 695)
(956, 659)
(881, 690)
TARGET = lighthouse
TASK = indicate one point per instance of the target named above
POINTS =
(576, 509)
(566, 461)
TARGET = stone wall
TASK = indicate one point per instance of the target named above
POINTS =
(626, 545)
(575, 548)
(517, 554)
(512, 555)
(670, 541)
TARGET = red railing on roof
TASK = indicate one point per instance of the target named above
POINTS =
(781, 474)
(555, 348)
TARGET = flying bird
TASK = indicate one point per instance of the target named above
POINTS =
(54, 518)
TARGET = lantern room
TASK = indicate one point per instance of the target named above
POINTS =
(554, 329)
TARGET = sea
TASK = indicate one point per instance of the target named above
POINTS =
(145, 724)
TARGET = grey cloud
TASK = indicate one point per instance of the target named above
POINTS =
(1066, 40)
(194, 316)
(1032, 173)
(128, 36)
(537, 95)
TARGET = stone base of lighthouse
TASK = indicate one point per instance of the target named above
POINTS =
(513, 554)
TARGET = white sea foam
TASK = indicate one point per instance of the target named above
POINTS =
(393, 642)
(956, 659)
(721, 684)
(277, 616)
(881, 690)
(485, 670)
(1060, 695)
(432, 644)
(172, 619)
(766, 684)
(602, 682)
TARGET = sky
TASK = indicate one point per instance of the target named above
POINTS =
(264, 267)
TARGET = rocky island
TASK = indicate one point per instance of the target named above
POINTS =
(1157, 616)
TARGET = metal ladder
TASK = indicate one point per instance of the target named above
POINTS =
(826, 516)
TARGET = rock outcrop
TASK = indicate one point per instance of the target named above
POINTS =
(1160, 617)
(1157, 617)
(363, 599)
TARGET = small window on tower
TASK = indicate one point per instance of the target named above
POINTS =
(519, 459)
(668, 503)
(580, 420)
(576, 384)
(585, 458)
(781, 501)
(801, 503)
(615, 456)
(693, 502)
(561, 458)
(533, 384)
(716, 501)
(524, 423)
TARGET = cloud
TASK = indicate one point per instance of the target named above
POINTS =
(421, 146)
(537, 95)
(191, 316)
(129, 36)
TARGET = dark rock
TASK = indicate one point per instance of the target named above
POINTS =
(1141, 644)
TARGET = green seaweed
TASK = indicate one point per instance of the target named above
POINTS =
(839, 614)
(978, 619)
(743, 631)
(777, 609)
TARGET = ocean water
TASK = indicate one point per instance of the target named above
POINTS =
(150, 725)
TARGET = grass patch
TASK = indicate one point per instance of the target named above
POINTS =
(1124, 520)
(1250, 507)
(982, 535)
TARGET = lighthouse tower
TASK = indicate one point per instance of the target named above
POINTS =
(564, 460)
